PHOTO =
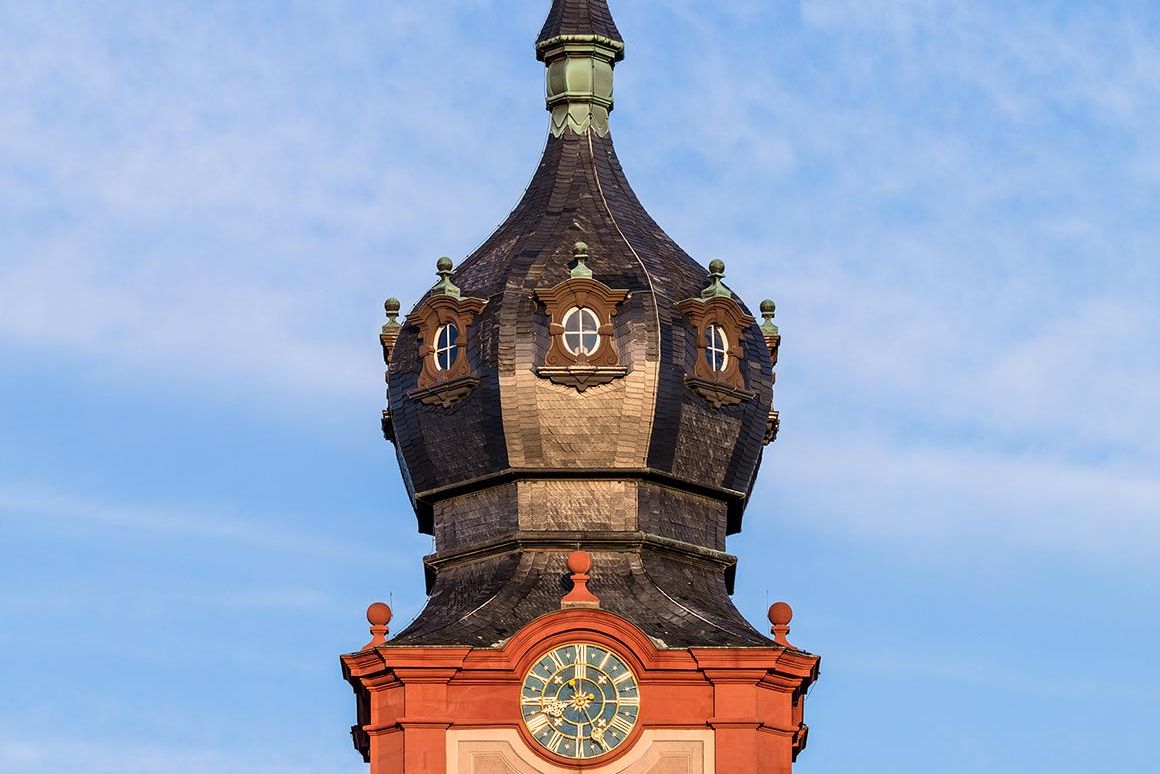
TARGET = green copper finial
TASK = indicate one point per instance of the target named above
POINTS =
(580, 253)
(716, 286)
(445, 287)
(579, 45)
(768, 310)
(391, 307)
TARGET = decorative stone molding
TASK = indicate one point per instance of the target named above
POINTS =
(772, 426)
(390, 332)
(772, 336)
(574, 366)
(579, 565)
(716, 374)
(444, 383)
(388, 337)
(379, 617)
(503, 751)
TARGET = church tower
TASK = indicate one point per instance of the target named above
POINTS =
(579, 410)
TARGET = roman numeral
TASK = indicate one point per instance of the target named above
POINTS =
(620, 724)
(538, 723)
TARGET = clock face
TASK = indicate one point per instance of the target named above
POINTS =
(580, 701)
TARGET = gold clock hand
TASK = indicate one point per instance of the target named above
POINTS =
(597, 734)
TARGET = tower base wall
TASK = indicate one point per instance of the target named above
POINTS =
(702, 710)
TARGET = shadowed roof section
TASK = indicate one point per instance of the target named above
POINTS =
(678, 603)
(579, 17)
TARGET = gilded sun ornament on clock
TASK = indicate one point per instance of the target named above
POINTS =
(580, 701)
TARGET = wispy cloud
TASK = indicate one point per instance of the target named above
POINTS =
(892, 493)
(19, 506)
(955, 215)
(948, 207)
(1062, 685)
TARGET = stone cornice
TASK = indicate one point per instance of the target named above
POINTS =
(531, 540)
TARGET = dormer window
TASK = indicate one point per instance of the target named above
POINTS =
(581, 331)
(582, 353)
(444, 320)
(716, 348)
(719, 325)
(446, 347)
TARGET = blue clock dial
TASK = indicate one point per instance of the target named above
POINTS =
(580, 701)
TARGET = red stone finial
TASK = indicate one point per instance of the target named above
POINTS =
(378, 616)
(579, 564)
(780, 614)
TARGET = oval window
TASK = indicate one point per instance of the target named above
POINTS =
(581, 331)
(446, 346)
(717, 348)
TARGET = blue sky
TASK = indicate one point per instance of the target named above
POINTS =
(955, 204)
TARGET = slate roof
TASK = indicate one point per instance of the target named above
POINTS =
(679, 603)
(646, 425)
(579, 193)
(579, 17)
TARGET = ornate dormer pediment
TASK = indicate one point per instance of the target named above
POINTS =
(582, 353)
(720, 323)
(444, 321)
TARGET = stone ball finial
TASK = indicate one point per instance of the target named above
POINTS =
(444, 264)
(391, 306)
(379, 617)
(379, 614)
(768, 308)
(580, 249)
(579, 562)
(717, 266)
(780, 614)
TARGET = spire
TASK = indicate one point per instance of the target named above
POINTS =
(580, 45)
(580, 17)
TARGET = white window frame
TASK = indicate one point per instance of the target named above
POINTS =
(586, 315)
(444, 347)
(718, 345)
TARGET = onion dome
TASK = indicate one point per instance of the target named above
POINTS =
(579, 380)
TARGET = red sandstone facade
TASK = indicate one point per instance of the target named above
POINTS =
(457, 710)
